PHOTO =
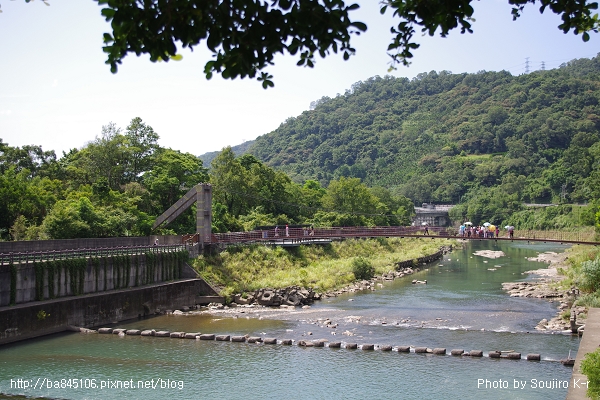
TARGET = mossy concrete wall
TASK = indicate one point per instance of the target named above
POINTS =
(34, 319)
(97, 275)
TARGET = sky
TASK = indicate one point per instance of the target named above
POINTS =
(57, 92)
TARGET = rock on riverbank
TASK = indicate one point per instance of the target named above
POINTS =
(545, 287)
(289, 296)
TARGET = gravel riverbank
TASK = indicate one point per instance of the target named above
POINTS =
(544, 285)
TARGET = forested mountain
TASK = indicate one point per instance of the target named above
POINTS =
(444, 137)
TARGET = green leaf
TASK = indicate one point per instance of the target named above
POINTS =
(177, 57)
(360, 26)
(109, 13)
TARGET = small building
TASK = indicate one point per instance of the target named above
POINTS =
(432, 215)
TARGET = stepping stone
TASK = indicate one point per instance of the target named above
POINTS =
(494, 354)
(476, 353)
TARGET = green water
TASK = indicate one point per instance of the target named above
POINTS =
(462, 306)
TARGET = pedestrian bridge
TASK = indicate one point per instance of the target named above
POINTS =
(201, 195)
(298, 236)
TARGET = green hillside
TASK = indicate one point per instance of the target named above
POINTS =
(489, 142)
(443, 137)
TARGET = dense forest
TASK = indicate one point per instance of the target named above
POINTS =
(488, 142)
(118, 184)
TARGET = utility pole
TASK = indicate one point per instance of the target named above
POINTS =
(563, 192)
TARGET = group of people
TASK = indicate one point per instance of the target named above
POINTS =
(483, 231)
(305, 231)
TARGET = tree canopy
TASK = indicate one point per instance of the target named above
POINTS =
(245, 35)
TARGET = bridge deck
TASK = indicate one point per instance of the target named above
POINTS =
(297, 236)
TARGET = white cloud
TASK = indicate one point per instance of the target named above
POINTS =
(5, 112)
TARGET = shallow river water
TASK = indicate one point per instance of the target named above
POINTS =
(461, 307)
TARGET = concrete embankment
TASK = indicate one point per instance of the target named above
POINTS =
(589, 343)
(39, 318)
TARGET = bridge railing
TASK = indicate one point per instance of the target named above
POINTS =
(23, 257)
(296, 235)
(568, 236)
(271, 235)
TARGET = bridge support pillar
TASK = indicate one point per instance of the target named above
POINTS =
(204, 213)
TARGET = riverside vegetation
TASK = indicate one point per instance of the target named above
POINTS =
(324, 268)
(583, 272)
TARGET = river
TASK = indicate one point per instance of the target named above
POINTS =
(461, 307)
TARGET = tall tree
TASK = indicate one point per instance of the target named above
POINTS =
(230, 182)
(174, 173)
(141, 142)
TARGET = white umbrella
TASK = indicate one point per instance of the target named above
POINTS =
(507, 226)
(424, 223)
(486, 224)
(468, 223)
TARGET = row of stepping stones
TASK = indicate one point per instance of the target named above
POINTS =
(315, 343)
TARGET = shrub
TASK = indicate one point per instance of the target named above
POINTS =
(362, 268)
(590, 276)
(590, 366)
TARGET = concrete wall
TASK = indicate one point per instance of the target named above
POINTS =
(66, 244)
(40, 318)
(419, 261)
(105, 275)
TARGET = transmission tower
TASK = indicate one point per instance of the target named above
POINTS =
(543, 66)
(526, 65)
